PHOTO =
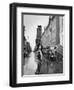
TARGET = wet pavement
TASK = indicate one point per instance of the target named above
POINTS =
(31, 66)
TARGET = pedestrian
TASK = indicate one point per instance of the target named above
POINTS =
(39, 62)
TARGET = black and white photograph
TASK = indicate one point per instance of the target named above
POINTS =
(42, 44)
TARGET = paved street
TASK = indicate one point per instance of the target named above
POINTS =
(31, 66)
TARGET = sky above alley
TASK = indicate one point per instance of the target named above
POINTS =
(31, 22)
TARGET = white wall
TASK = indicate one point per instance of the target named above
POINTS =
(4, 43)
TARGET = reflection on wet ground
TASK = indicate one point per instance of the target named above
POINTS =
(31, 66)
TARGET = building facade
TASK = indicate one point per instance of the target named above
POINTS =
(52, 35)
(38, 36)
